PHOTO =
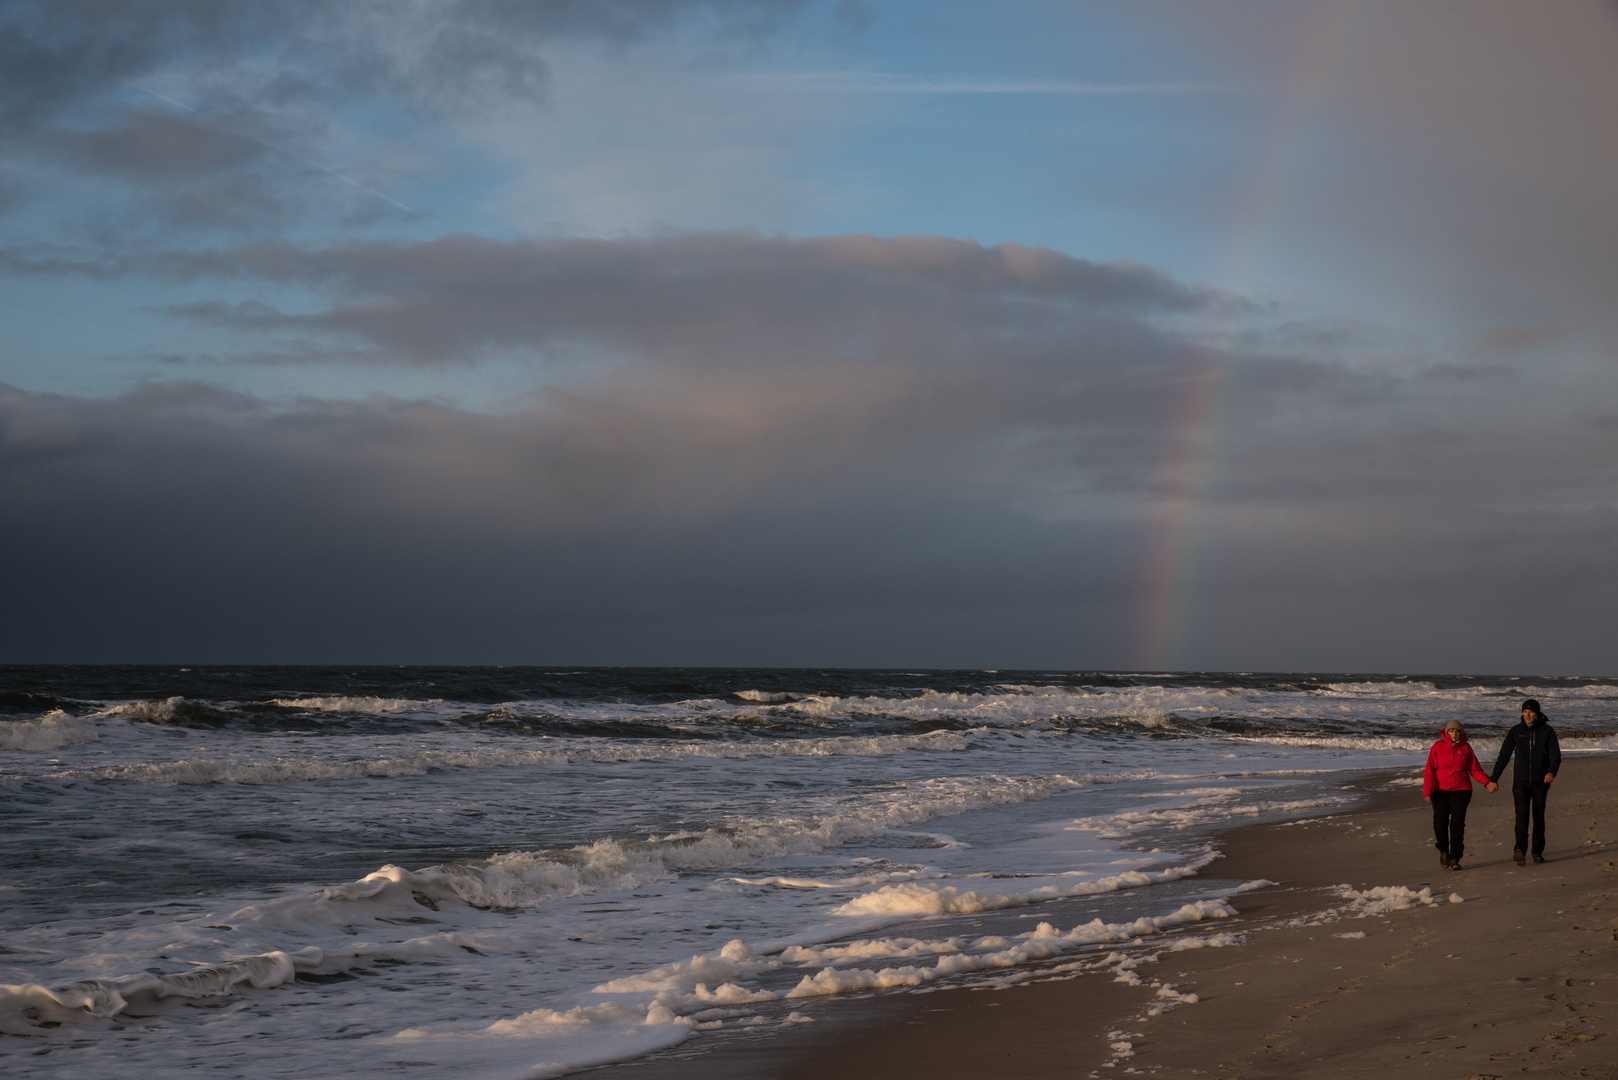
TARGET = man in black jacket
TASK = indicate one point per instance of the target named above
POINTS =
(1533, 744)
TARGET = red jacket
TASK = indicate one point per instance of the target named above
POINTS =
(1450, 767)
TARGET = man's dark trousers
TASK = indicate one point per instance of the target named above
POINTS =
(1530, 796)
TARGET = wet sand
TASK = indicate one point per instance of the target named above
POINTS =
(1519, 979)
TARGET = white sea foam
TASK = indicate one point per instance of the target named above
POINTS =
(1207, 941)
(375, 706)
(841, 883)
(1420, 704)
(25, 1008)
(1598, 691)
(1417, 704)
(545, 1043)
(161, 712)
(1365, 903)
(292, 770)
(884, 948)
(1341, 742)
(1221, 807)
(1396, 690)
(1604, 745)
(524, 879)
(166, 710)
(686, 985)
(53, 731)
(1014, 704)
(1384, 899)
(914, 899)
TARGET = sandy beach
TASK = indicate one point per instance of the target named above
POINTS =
(1495, 971)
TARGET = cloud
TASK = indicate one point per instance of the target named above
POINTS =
(762, 449)
(154, 146)
(234, 98)
(1509, 340)
(565, 523)
(1473, 148)
(741, 447)
(705, 298)
(774, 526)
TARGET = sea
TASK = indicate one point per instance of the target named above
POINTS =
(524, 871)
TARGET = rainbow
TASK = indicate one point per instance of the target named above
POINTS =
(1192, 462)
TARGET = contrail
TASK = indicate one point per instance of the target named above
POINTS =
(880, 83)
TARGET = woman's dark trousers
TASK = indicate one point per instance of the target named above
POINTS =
(1449, 821)
(1530, 796)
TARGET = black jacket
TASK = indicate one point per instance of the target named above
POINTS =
(1535, 749)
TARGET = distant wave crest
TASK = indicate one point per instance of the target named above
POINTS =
(289, 770)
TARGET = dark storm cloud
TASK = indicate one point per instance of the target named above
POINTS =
(562, 527)
(707, 299)
(788, 355)
(841, 354)
(758, 444)
(755, 446)
(835, 517)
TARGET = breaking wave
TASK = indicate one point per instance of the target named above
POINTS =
(52, 731)
(526, 878)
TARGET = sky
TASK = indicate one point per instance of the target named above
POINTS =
(1264, 335)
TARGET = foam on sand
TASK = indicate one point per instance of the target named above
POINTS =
(660, 1007)
(912, 900)
(1041, 943)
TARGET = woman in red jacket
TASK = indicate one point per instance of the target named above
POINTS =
(1447, 784)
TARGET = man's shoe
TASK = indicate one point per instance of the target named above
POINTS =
(1443, 858)
(1516, 857)
(1538, 857)
(1455, 864)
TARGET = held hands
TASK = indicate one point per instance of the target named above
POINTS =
(1492, 786)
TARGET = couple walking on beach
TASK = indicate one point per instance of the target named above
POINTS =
(1447, 783)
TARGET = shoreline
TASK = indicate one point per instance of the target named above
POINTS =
(1431, 985)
